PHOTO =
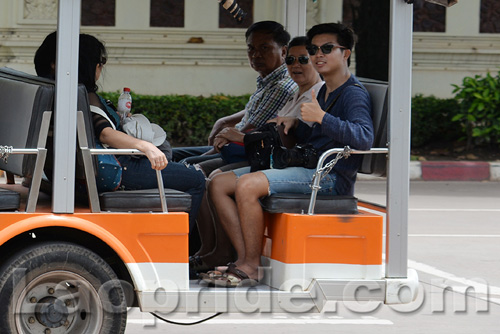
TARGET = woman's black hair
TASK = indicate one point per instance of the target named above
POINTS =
(280, 35)
(298, 41)
(45, 57)
(92, 52)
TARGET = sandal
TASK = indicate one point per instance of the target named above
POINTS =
(211, 275)
(235, 278)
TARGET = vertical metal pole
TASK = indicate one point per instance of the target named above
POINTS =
(295, 17)
(68, 28)
(398, 184)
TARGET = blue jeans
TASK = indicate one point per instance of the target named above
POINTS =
(137, 174)
(293, 180)
(192, 155)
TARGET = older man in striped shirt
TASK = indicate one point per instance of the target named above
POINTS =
(266, 49)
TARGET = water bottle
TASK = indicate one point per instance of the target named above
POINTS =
(124, 103)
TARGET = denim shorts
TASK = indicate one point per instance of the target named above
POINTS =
(293, 180)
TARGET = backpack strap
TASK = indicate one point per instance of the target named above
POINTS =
(100, 112)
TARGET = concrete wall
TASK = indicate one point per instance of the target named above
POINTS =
(161, 61)
(442, 59)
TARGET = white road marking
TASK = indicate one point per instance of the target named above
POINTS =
(281, 321)
(493, 290)
(456, 235)
(455, 210)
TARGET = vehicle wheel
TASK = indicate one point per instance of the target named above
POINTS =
(60, 288)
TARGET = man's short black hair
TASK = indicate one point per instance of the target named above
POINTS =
(345, 35)
(280, 35)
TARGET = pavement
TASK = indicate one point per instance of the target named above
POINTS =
(449, 171)
(455, 170)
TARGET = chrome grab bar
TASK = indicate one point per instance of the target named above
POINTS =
(321, 171)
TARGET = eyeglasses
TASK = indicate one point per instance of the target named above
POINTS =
(290, 60)
(103, 60)
(325, 48)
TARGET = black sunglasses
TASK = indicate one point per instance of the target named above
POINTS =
(325, 48)
(289, 60)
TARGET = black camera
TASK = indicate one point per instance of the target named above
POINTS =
(234, 9)
(298, 156)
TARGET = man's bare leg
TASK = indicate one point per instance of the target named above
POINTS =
(249, 189)
(221, 192)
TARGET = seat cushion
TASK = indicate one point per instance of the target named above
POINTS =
(144, 200)
(299, 203)
(9, 200)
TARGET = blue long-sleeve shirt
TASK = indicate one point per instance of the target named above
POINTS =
(347, 122)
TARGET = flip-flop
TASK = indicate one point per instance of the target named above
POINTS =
(235, 278)
(211, 275)
(224, 269)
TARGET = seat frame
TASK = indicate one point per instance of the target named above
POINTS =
(33, 141)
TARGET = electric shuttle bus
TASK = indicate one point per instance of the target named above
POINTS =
(68, 268)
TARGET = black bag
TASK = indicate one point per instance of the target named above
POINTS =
(259, 145)
(264, 150)
(298, 156)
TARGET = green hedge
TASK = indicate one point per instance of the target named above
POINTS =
(189, 119)
(431, 121)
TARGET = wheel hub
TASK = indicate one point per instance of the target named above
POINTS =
(58, 302)
(52, 312)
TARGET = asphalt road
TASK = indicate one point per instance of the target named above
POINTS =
(454, 244)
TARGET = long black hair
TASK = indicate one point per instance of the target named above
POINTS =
(45, 57)
(92, 52)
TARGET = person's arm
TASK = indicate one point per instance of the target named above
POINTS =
(356, 130)
(224, 122)
(118, 139)
(226, 135)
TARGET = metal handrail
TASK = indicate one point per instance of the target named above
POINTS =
(124, 151)
(41, 155)
(320, 170)
(88, 152)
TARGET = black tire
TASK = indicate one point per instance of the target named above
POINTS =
(60, 288)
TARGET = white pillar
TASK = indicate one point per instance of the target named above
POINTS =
(68, 31)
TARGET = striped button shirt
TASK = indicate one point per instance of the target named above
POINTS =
(271, 95)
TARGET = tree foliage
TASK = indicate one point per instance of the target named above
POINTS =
(479, 112)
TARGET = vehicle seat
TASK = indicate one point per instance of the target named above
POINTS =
(9, 200)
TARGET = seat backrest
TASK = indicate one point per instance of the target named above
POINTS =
(23, 100)
(375, 164)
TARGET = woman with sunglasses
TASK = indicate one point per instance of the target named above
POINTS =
(341, 116)
(303, 73)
